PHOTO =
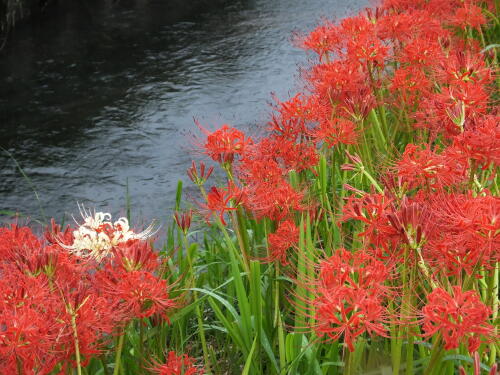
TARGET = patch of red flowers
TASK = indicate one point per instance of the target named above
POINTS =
(285, 238)
(177, 365)
(351, 296)
(459, 316)
(49, 296)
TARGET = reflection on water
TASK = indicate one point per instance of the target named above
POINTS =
(91, 99)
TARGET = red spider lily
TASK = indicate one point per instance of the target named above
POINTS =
(183, 220)
(340, 81)
(357, 26)
(93, 316)
(19, 246)
(410, 82)
(285, 237)
(459, 316)
(357, 106)
(350, 297)
(469, 16)
(282, 154)
(15, 240)
(222, 200)
(290, 121)
(368, 50)
(135, 255)
(199, 178)
(287, 128)
(26, 342)
(323, 40)
(354, 270)
(438, 8)
(393, 26)
(139, 294)
(413, 221)
(274, 201)
(463, 66)
(55, 235)
(481, 141)
(420, 53)
(336, 131)
(225, 143)
(29, 329)
(296, 156)
(177, 365)
(299, 107)
(448, 112)
(373, 210)
(469, 233)
(356, 162)
(258, 170)
(349, 313)
(421, 167)
(45, 291)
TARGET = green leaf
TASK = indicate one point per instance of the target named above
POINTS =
(248, 363)
(491, 46)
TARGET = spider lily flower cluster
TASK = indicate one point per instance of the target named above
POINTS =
(67, 294)
(361, 230)
(400, 105)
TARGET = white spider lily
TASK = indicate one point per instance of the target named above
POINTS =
(98, 234)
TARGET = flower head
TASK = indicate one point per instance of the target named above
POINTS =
(96, 237)
(458, 316)
(223, 144)
(286, 237)
(138, 293)
(177, 365)
(222, 200)
(350, 296)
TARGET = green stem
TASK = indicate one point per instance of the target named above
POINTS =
(281, 345)
(141, 342)
(348, 358)
(424, 269)
(411, 331)
(104, 367)
(277, 309)
(398, 340)
(203, 339)
(118, 355)
(241, 243)
(394, 341)
(371, 179)
(199, 318)
(19, 366)
(77, 345)
(379, 128)
(436, 353)
(494, 292)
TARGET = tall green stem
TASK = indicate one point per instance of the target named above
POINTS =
(371, 179)
(19, 366)
(199, 318)
(436, 353)
(118, 355)
(494, 292)
(77, 344)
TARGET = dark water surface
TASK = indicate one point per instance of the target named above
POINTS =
(96, 96)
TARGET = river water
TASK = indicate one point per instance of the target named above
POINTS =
(97, 98)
